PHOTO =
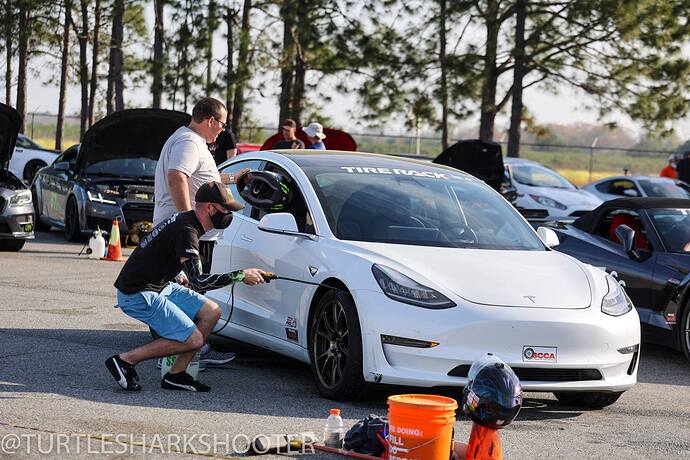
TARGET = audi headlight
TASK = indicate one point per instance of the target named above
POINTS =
(21, 198)
(546, 201)
(616, 301)
(98, 197)
(403, 289)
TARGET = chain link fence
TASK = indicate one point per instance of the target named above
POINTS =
(581, 164)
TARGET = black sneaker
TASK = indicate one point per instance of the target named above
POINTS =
(123, 373)
(183, 381)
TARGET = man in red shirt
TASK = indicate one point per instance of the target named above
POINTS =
(670, 169)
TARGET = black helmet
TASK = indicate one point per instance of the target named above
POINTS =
(493, 395)
(265, 190)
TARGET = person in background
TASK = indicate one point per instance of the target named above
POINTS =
(316, 136)
(670, 169)
(289, 141)
(224, 148)
(683, 168)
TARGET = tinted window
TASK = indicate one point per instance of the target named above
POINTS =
(124, 167)
(420, 207)
(234, 168)
(618, 187)
(69, 155)
(674, 227)
(25, 142)
(539, 176)
(666, 188)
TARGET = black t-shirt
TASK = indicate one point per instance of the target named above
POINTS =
(283, 144)
(683, 170)
(219, 149)
(157, 259)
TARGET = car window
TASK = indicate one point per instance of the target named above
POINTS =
(662, 188)
(673, 225)
(297, 206)
(618, 187)
(69, 155)
(234, 168)
(603, 187)
(617, 217)
(539, 176)
(25, 142)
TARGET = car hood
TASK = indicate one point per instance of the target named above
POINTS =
(9, 129)
(535, 279)
(131, 133)
(567, 197)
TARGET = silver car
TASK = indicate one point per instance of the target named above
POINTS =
(16, 209)
(638, 186)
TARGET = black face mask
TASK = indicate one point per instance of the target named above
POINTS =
(221, 221)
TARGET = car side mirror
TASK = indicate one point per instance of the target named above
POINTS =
(627, 236)
(548, 236)
(631, 192)
(280, 222)
(62, 166)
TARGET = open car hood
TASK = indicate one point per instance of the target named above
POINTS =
(133, 133)
(9, 129)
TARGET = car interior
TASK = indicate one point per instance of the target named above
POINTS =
(608, 225)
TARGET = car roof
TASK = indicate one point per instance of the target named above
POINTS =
(633, 178)
(589, 221)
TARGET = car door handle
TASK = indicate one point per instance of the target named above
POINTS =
(246, 238)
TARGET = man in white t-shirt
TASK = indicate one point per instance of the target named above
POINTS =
(185, 164)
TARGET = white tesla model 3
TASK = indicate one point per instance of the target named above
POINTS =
(403, 272)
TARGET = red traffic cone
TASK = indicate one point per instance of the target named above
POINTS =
(485, 444)
(114, 248)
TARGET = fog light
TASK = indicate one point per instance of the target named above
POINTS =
(28, 227)
(628, 350)
(405, 342)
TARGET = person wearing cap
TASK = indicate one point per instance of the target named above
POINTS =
(182, 317)
(316, 136)
(289, 140)
(670, 169)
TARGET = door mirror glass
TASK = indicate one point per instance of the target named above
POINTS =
(548, 236)
(280, 222)
(627, 236)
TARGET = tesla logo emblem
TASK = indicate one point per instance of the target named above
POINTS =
(313, 270)
(530, 297)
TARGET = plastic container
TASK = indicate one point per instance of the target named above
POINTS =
(420, 427)
(334, 433)
(97, 245)
(192, 368)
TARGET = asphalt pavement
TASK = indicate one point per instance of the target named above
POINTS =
(58, 325)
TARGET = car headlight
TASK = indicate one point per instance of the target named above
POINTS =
(403, 289)
(99, 198)
(546, 201)
(21, 198)
(616, 301)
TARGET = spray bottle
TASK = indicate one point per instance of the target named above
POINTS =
(97, 244)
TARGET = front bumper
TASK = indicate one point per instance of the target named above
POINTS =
(17, 222)
(127, 213)
(585, 339)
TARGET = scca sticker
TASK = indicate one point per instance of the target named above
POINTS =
(399, 172)
(543, 354)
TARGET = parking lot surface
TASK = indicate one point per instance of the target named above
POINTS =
(58, 325)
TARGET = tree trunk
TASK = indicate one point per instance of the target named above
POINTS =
(64, 63)
(158, 64)
(518, 76)
(94, 62)
(444, 76)
(488, 107)
(114, 94)
(300, 61)
(84, 67)
(287, 63)
(242, 69)
(211, 27)
(229, 75)
(9, 26)
(23, 50)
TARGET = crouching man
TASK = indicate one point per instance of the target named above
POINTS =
(182, 317)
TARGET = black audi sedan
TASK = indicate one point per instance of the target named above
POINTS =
(108, 176)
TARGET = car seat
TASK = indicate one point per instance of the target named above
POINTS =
(641, 241)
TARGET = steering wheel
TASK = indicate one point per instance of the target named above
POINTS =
(463, 234)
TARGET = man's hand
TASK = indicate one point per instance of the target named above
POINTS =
(232, 178)
(252, 276)
(182, 279)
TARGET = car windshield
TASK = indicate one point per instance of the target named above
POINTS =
(124, 167)
(539, 176)
(425, 207)
(673, 224)
(663, 188)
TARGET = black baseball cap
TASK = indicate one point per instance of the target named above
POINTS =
(215, 192)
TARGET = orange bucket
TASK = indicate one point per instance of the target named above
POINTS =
(420, 427)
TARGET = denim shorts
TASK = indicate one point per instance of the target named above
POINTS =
(170, 312)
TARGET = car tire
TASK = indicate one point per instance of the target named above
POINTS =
(684, 331)
(72, 231)
(11, 245)
(38, 225)
(31, 169)
(334, 337)
(588, 399)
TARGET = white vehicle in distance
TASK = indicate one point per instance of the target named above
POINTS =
(638, 186)
(29, 157)
(407, 272)
(540, 187)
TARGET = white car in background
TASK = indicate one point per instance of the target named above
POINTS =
(638, 186)
(29, 157)
(540, 187)
(403, 272)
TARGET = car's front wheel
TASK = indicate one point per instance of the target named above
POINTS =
(588, 399)
(72, 230)
(11, 245)
(335, 347)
